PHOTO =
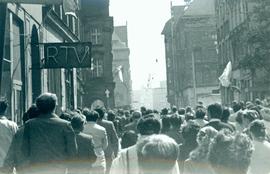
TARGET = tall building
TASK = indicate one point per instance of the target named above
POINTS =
(191, 56)
(97, 27)
(121, 67)
(26, 28)
(235, 23)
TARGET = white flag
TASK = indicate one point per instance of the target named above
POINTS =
(225, 78)
(120, 73)
(70, 7)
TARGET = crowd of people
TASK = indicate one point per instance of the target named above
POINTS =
(210, 139)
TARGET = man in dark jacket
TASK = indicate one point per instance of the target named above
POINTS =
(86, 155)
(48, 142)
(113, 143)
(214, 112)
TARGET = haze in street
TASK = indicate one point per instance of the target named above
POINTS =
(145, 21)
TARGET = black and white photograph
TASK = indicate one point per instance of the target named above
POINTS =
(134, 86)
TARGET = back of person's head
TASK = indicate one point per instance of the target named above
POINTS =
(136, 115)
(157, 154)
(250, 115)
(258, 111)
(243, 104)
(155, 111)
(148, 126)
(200, 113)
(174, 109)
(129, 138)
(198, 107)
(127, 113)
(91, 115)
(101, 112)
(230, 153)
(143, 110)
(77, 122)
(46, 103)
(190, 132)
(165, 124)
(205, 135)
(188, 109)
(3, 106)
(257, 129)
(236, 107)
(111, 115)
(258, 101)
(176, 121)
(225, 115)
(120, 112)
(204, 138)
(148, 111)
(65, 116)
(164, 111)
(214, 111)
(181, 111)
(189, 116)
(31, 113)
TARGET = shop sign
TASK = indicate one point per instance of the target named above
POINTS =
(67, 55)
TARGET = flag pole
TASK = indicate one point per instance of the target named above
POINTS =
(194, 77)
(3, 9)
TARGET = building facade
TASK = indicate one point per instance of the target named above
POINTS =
(191, 56)
(27, 28)
(123, 85)
(97, 27)
(235, 22)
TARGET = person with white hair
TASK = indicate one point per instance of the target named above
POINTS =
(198, 158)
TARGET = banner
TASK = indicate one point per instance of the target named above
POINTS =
(120, 73)
(70, 7)
(225, 78)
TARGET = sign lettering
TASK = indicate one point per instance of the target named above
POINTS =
(67, 55)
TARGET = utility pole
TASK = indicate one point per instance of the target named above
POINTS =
(194, 77)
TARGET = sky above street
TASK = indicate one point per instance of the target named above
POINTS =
(145, 20)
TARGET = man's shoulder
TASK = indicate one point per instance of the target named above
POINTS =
(55, 120)
(105, 123)
(84, 136)
(100, 128)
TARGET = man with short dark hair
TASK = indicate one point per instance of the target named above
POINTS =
(86, 156)
(136, 115)
(7, 131)
(127, 161)
(113, 144)
(214, 114)
(49, 142)
(199, 117)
